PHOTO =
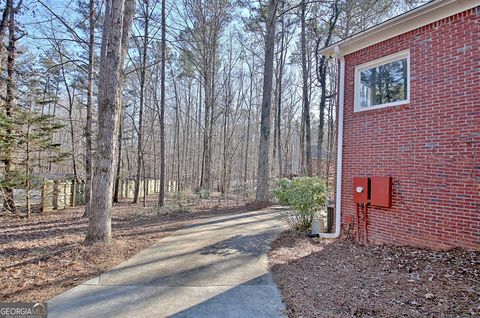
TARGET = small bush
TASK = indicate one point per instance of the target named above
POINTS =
(202, 193)
(306, 197)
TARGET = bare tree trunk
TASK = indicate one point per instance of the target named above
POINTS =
(143, 71)
(161, 194)
(118, 23)
(8, 200)
(88, 125)
(224, 185)
(330, 143)
(176, 137)
(187, 141)
(55, 104)
(279, 95)
(302, 142)
(321, 122)
(262, 193)
(306, 101)
(3, 31)
(249, 116)
(322, 78)
(145, 186)
(207, 142)
(119, 164)
(198, 136)
(71, 100)
(72, 137)
(27, 164)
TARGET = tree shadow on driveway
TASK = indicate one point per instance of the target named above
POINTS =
(252, 244)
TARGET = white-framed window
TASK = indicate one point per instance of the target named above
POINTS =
(383, 82)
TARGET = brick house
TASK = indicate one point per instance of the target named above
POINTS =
(409, 109)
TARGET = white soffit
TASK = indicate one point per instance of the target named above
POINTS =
(411, 20)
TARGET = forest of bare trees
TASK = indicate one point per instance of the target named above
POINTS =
(209, 96)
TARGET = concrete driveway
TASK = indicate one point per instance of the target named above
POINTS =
(216, 267)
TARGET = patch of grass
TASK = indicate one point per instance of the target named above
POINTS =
(139, 215)
(172, 209)
(184, 196)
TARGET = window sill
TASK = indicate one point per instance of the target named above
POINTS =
(363, 109)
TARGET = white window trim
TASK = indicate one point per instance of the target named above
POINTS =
(384, 60)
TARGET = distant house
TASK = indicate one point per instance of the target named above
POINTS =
(409, 109)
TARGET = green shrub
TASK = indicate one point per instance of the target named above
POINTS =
(202, 193)
(306, 197)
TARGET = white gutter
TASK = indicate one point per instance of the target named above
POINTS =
(338, 190)
(411, 20)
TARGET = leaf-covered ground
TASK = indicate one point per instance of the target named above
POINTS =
(44, 255)
(344, 279)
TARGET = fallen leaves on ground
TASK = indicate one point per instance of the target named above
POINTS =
(321, 278)
(44, 255)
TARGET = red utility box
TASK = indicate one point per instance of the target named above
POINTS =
(360, 190)
(381, 191)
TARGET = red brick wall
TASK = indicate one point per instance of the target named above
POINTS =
(431, 147)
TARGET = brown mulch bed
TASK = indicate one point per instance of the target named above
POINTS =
(44, 255)
(339, 278)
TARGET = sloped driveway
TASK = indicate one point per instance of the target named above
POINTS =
(216, 267)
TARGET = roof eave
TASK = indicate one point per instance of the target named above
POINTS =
(411, 20)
